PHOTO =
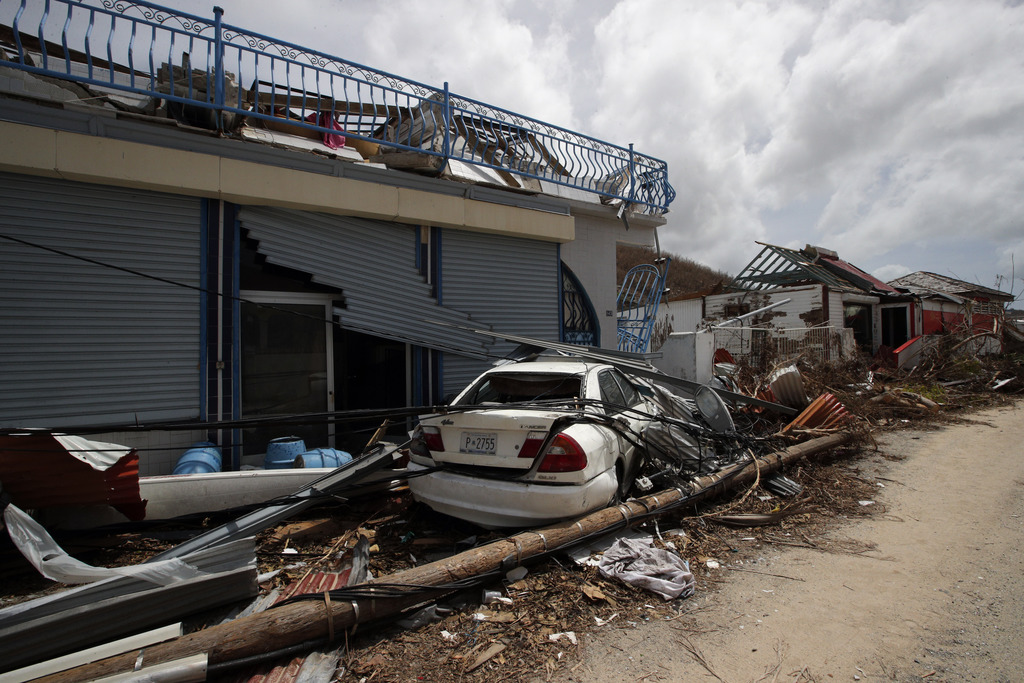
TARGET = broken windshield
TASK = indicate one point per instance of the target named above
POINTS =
(518, 388)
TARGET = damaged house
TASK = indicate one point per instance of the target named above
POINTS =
(946, 306)
(206, 224)
(819, 303)
(809, 300)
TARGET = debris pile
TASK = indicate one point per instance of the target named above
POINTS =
(382, 587)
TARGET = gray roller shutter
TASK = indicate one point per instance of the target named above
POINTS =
(374, 264)
(85, 343)
(510, 283)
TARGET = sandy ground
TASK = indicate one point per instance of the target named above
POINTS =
(940, 598)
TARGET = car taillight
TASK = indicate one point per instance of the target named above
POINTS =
(530, 448)
(563, 455)
(432, 437)
(425, 440)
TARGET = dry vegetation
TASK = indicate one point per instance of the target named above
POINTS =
(685, 276)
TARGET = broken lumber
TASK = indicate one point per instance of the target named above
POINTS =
(307, 621)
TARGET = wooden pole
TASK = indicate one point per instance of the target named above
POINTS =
(303, 621)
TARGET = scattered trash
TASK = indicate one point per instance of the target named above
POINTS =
(568, 635)
(490, 597)
(641, 564)
(424, 616)
(601, 622)
(516, 574)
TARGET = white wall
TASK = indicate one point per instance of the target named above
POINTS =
(592, 257)
(805, 309)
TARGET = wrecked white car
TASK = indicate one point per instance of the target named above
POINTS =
(531, 443)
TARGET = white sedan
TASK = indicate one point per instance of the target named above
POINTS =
(532, 443)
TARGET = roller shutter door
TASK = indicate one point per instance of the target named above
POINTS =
(83, 342)
(374, 264)
(510, 283)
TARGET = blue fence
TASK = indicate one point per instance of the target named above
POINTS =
(220, 75)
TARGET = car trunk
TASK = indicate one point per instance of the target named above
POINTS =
(492, 438)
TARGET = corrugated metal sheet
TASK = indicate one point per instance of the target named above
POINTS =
(373, 263)
(94, 613)
(286, 672)
(38, 472)
(825, 412)
(509, 283)
(84, 342)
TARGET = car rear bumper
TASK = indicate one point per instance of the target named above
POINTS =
(499, 503)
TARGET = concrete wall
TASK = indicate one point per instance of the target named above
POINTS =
(106, 161)
(592, 257)
(806, 308)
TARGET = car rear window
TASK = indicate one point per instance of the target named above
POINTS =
(496, 388)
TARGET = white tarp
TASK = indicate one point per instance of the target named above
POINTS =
(54, 563)
(639, 563)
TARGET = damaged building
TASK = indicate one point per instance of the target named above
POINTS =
(787, 302)
(205, 224)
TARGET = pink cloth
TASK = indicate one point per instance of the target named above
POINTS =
(325, 120)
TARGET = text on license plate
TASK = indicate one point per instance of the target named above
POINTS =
(479, 442)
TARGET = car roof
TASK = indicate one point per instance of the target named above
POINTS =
(569, 366)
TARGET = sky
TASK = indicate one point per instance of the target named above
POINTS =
(890, 131)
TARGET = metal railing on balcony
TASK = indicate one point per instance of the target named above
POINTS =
(219, 75)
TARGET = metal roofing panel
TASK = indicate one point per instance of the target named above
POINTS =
(933, 282)
(38, 472)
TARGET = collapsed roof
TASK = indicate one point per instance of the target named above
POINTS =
(777, 266)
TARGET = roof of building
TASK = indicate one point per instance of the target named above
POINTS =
(777, 266)
(923, 283)
(258, 89)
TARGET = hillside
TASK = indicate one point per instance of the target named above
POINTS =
(685, 276)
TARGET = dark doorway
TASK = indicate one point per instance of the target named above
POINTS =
(858, 318)
(369, 373)
(895, 326)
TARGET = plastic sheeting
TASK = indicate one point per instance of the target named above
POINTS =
(54, 563)
(640, 564)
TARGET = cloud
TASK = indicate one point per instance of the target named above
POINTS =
(902, 116)
(890, 272)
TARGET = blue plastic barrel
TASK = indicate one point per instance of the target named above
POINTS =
(282, 451)
(202, 458)
(323, 457)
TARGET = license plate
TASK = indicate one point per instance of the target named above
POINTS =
(479, 443)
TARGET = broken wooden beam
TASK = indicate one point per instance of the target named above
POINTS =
(307, 621)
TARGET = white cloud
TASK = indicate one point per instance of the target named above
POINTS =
(890, 272)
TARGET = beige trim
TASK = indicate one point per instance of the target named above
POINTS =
(46, 152)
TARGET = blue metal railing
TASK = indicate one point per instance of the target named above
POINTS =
(637, 304)
(211, 73)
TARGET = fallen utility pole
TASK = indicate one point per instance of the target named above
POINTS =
(299, 622)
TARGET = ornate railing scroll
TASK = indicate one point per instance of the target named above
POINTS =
(214, 74)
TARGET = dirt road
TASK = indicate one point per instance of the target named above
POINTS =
(941, 597)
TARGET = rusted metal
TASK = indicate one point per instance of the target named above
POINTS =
(825, 412)
(37, 471)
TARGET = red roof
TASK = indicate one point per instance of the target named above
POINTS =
(847, 270)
